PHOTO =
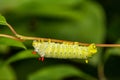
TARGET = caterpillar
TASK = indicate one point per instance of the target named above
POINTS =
(63, 50)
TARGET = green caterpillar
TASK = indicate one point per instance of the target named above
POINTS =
(63, 50)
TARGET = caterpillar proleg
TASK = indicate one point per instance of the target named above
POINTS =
(63, 50)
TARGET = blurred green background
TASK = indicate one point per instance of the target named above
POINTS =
(89, 21)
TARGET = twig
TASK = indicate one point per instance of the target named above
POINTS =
(61, 41)
(20, 37)
(101, 71)
(9, 36)
(11, 28)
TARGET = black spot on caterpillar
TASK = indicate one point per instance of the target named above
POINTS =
(64, 50)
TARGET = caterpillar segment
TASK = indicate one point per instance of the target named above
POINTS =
(63, 50)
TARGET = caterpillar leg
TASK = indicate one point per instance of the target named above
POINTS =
(34, 52)
(41, 58)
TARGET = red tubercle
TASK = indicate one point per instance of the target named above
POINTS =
(34, 52)
(41, 59)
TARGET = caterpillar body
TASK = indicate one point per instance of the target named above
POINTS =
(63, 50)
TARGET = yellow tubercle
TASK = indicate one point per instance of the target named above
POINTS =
(49, 41)
(42, 40)
(86, 61)
(76, 43)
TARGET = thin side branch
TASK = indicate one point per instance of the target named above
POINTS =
(11, 28)
(101, 74)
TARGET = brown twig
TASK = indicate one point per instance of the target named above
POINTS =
(9, 36)
(11, 28)
(101, 74)
(61, 41)
(20, 37)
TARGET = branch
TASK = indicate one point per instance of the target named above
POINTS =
(61, 41)
(101, 74)
(21, 37)
(9, 36)
(11, 28)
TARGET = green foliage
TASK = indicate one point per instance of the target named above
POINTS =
(21, 55)
(2, 20)
(6, 72)
(59, 72)
(11, 42)
(112, 52)
(74, 20)
(4, 49)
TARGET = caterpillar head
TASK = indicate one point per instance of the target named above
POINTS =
(36, 45)
(92, 48)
